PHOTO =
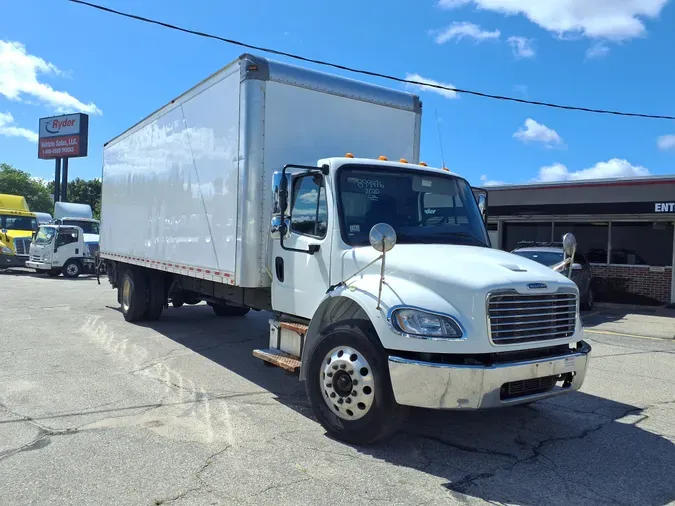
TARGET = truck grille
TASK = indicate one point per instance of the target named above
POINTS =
(515, 318)
(22, 246)
(522, 388)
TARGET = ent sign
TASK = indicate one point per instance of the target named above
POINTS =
(63, 136)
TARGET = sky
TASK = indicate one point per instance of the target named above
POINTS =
(59, 57)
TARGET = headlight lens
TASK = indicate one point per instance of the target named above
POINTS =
(6, 251)
(421, 323)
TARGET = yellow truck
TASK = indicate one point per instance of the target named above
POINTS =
(17, 225)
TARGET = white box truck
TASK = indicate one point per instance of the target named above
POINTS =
(246, 192)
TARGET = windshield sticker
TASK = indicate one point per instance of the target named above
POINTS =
(355, 228)
(426, 183)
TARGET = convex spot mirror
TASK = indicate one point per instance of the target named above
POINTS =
(569, 244)
(382, 237)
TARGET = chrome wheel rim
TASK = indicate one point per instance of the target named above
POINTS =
(72, 269)
(347, 383)
(126, 294)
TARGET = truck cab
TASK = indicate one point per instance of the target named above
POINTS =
(79, 215)
(61, 249)
(388, 269)
(17, 225)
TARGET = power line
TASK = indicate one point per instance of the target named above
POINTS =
(368, 72)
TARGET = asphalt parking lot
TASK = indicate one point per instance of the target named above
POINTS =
(97, 411)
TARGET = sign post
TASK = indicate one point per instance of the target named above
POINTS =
(63, 137)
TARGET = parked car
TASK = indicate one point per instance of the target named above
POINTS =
(550, 254)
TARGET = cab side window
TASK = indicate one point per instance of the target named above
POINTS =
(309, 212)
(67, 237)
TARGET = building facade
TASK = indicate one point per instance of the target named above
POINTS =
(624, 227)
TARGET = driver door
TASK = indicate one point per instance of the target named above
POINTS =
(66, 245)
(300, 279)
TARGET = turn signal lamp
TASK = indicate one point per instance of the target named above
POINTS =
(349, 155)
(383, 158)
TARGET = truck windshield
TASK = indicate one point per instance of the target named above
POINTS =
(88, 227)
(423, 208)
(13, 222)
(45, 235)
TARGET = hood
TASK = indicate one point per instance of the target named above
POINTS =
(470, 267)
(91, 238)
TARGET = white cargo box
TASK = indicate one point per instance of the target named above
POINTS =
(188, 189)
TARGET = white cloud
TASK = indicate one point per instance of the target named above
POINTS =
(614, 168)
(8, 129)
(610, 19)
(532, 131)
(485, 181)
(19, 72)
(451, 4)
(521, 47)
(597, 50)
(666, 142)
(420, 79)
(463, 29)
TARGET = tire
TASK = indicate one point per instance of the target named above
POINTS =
(54, 273)
(132, 293)
(156, 297)
(72, 269)
(223, 310)
(588, 303)
(353, 344)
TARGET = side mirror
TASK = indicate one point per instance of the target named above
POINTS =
(576, 267)
(382, 237)
(569, 244)
(279, 193)
(482, 206)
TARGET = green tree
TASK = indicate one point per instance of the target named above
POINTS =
(17, 182)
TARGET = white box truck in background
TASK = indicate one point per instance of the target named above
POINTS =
(384, 291)
(79, 215)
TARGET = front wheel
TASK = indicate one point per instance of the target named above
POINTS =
(349, 387)
(72, 269)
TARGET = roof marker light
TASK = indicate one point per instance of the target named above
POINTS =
(403, 160)
(383, 158)
(349, 155)
(423, 164)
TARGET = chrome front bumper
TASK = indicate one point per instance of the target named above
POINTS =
(447, 386)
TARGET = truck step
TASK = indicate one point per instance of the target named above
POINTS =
(295, 327)
(278, 358)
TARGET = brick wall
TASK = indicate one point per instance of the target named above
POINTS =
(613, 280)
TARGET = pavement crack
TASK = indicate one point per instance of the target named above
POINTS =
(281, 485)
(42, 440)
(464, 448)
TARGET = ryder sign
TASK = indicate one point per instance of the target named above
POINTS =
(63, 136)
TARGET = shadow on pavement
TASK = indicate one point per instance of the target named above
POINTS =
(28, 273)
(576, 449)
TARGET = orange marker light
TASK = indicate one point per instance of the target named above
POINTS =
(383, 158)
(403, 160)
(446, 169)
(423, 164)
(349, 155)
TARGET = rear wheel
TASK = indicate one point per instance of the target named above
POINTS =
(156, 298)
(348, 385)
(224, 310)
(72, 269)
(588, 303)
(133, 295)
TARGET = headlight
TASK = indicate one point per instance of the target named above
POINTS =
(6, 251)
(420, 323)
